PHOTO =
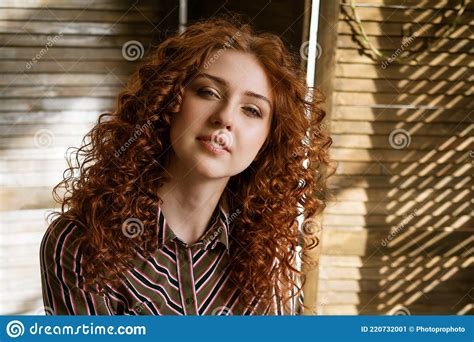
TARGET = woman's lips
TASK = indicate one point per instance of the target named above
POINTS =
(207, 145)
(209, 138)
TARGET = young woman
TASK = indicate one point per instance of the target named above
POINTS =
(185, 199)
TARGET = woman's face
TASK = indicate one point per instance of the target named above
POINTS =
(229, 102)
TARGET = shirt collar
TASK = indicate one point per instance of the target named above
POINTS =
(216, 232)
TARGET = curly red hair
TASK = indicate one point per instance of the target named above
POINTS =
(120, 165)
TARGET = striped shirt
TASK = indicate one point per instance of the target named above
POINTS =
(177, 279)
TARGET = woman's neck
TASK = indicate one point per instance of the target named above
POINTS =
(188, 206)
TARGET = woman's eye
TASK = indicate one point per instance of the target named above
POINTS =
(208, 92)
(254, 111)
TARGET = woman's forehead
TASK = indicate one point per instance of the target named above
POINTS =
(237, 70)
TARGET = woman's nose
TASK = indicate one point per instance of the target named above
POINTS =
(224, 117)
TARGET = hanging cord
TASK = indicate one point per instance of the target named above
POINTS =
(411, 55)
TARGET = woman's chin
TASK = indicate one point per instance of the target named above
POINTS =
(208, 169)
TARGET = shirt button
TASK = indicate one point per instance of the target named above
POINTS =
(189, 301)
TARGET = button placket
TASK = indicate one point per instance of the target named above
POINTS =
(186, 282)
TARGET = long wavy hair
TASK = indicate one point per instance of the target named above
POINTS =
(121, 164)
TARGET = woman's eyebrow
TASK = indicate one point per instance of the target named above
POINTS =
(226, 84)
(214, 78)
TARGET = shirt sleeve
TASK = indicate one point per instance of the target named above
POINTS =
(61, 273)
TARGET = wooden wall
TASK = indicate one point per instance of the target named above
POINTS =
(398, 232)
(62, 64)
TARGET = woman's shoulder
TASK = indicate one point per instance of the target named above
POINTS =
(62, 234)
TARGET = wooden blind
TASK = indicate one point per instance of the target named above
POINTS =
(398, 233)
(62, 64)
